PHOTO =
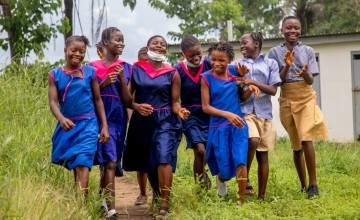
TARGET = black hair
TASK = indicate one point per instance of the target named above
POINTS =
(223, 46)
(77, 38)
(288, 18)
(155, 36)
(188, 42)
(106, 34)
(257, 37)
(142, 50)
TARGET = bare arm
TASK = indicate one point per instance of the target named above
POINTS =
(124, 91)
(175, 98)
(268, 89)
(65, 123)
(208, 109)
(99, 107)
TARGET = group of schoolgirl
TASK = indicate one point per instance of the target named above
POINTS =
(225, 112)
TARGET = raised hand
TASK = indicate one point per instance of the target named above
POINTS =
(302, 71)
(242, 69)
(289, 57)
(184, 114)
(119, 71)
(254, 89)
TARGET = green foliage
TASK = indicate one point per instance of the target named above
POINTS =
(130, 3)
(30, 186)
(26, 26)
(206, 19)
(338, 172)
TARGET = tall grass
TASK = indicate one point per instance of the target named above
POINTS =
(30, 186)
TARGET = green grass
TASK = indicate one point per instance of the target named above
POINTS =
(32, 188)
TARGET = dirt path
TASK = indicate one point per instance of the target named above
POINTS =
(127, 191)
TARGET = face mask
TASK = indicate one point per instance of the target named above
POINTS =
(192, 65)
(156, 56)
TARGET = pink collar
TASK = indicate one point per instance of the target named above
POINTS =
(195, 78)
(151, 72)
(73, 71)
(102, 70)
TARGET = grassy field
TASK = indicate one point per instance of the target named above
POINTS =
(32, 188)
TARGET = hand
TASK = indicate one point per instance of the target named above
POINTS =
(242, 69)
(303, 71)
(66, 124)
(184, 114)
(119, 71)
(289, 57)
(254, 89)
(104, 135)
(110, 78)
(235, 120)
(144, 109)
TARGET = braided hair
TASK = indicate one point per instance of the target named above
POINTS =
(223, 46)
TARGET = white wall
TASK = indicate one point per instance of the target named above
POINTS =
(336, 90)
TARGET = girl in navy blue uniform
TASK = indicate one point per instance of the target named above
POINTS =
(113, 77)
(196, 126)
(73, 98)
(227, 144)
(155, 129)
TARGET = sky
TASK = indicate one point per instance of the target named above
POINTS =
(137, 26)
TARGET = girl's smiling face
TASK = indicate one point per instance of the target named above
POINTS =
(291, 29)
(193, 54)
(248, 47)
(115, 44)
(158, 45)
(75, 53)
(219, 62)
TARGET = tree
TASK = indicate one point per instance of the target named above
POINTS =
(207, 18)
(25, 26)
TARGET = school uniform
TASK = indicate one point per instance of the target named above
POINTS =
(152, 140)
(196, 127)
(227, 145)
(258, 110)
(77, 146)
(299, 113)
(115, 111)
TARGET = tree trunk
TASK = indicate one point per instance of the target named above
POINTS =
(7, 13)
(69, 14)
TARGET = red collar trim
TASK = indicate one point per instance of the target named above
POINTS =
(195, 78)
(102, 70)
(151, 72)
(73, 71)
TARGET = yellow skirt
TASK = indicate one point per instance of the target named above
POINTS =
(300, 115)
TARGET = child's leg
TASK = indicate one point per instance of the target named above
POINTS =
(300, 167)
(81, 174)
(154, 183)
(108, 183)
(142, 180)
(241, 178)
(165, 181)
(253, 144)
(199, 161)
(263, 172)
(310, 161)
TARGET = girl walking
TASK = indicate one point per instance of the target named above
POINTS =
(155, 129)
(74, 98)
(196, 126)
(262, 72)
(113, 77)
(227, 144)
(299, 113)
